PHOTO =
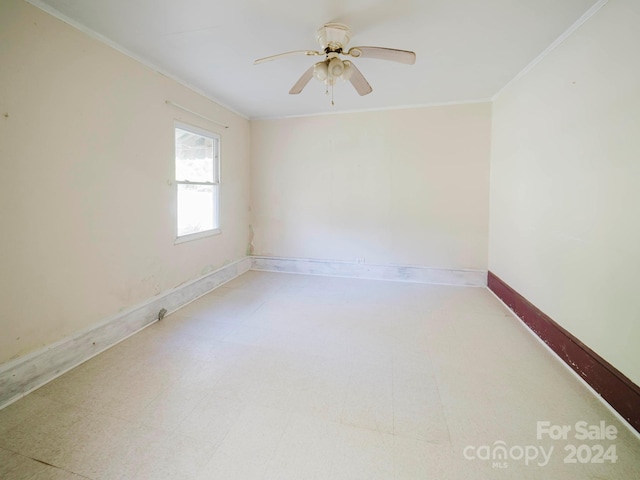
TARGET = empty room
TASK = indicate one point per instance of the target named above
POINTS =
(319, 240)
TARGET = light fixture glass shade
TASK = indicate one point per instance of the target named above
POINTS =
(329, 71)
(346, 73)
(335, 67)
(320, 71)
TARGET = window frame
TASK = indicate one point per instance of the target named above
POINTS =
(217, 141)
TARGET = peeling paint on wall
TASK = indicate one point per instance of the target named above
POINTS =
(250, 246)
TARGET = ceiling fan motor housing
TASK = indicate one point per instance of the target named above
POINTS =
(333, 36)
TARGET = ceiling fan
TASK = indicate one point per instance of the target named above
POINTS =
(333, 39)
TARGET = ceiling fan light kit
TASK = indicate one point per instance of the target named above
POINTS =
(333, 38)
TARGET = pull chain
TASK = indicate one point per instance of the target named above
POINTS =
(326, 92)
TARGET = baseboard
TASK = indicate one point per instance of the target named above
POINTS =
(614, 387)
(24, 374)
(398, 273)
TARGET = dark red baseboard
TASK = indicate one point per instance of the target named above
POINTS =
(620, 392)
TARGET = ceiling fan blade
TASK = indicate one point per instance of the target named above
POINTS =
(358, 81)
(310, 53)
(302, 81)
(393, 54)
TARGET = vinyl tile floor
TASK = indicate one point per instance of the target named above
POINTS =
(277, 376)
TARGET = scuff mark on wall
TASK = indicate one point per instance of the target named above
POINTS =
(206, 269)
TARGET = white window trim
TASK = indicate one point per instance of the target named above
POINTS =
(196, 236)
(214, 231)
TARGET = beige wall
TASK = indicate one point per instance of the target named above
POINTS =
(397, 187)
(87, 214)
(86, 211)
(565, 202)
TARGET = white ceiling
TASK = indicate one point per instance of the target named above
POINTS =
(467, 50)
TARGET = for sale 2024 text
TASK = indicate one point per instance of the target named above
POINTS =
(582, 431)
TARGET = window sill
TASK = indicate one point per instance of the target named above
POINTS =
(197, 236)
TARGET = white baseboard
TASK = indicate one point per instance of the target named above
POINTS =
(440, 276)
(24, 374)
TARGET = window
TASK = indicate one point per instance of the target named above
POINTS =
(197, 182)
